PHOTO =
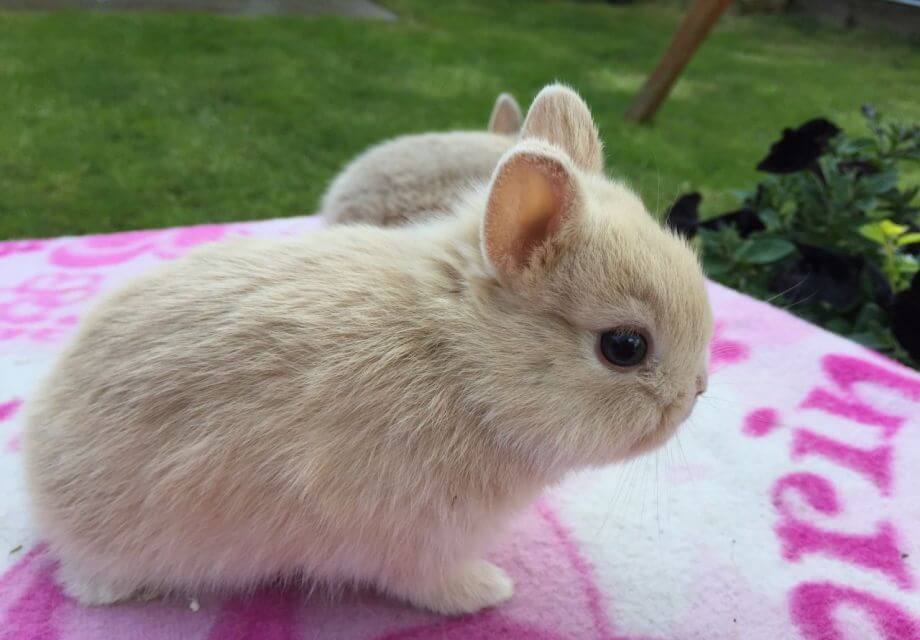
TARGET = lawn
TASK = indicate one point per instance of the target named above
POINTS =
(124, 121)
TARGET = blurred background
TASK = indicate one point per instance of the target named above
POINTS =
(788, 151)
(128, 114)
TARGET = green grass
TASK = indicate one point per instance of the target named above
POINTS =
(112, 122)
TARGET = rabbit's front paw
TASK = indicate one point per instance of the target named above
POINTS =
(91, 591)
(472, 586)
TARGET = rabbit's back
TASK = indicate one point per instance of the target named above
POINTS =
(225, 408)
(411, 177)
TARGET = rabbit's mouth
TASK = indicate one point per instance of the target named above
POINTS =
(672, 416)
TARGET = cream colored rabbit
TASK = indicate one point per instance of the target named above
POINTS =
(411, 177)
(365, 405)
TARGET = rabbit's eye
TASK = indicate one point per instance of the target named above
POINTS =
(623, 347)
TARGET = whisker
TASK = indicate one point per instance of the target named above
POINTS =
(657, 497)
(798, 302)
(680, 449)
(618, 494)
(792, 288)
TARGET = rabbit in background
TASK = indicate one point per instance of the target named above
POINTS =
(415, 177)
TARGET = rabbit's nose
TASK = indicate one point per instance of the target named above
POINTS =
(702, 383)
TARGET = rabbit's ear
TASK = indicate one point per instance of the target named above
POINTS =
(533, 193)
(559, 116)
(506, 116)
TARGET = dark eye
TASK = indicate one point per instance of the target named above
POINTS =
(623, 347)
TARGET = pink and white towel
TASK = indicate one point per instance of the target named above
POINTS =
(788, 507)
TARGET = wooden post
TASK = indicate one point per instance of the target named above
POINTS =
(693, 29)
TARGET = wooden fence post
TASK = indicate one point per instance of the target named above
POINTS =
(693, 29)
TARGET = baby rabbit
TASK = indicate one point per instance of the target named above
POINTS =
(409, 177)
(366, 405)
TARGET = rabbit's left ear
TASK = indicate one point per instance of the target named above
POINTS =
(559, 116)
(506, 116)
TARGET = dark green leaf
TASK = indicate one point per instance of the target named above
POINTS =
(870, 316)
(763, 250)
(716, 266)
(866, 204)
(868, 339)
(881, 182)
(770, 219)
(789, 207)
(837, 325)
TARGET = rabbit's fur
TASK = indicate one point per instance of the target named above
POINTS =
(418, 176)
(366, 405)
